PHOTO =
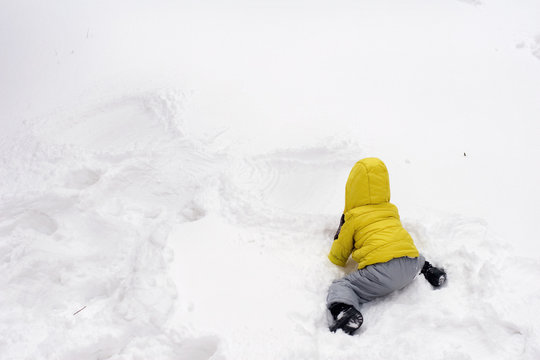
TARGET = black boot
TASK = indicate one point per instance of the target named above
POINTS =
(346, 318)
(435, 276)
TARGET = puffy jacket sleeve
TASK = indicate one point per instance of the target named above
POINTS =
(343, 245)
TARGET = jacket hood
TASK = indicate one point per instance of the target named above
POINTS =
(368, 184)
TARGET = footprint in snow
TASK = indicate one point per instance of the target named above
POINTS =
(38, 221)
(82, 178)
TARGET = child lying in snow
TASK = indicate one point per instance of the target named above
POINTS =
(370, 229)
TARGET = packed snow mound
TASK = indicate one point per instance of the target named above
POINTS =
(87, 223)
(152, 243)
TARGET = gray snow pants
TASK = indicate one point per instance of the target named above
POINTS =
(374, 281)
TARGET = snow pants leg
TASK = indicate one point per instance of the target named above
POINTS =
(374, 281)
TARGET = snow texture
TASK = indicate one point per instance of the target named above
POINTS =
(173, 175)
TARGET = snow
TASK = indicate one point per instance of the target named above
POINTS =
(173, 175)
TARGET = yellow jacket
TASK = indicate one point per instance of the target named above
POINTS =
(372, 231)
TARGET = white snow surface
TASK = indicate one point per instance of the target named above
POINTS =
(172, 174)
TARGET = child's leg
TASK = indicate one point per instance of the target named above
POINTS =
(346, 295)
(374, 281)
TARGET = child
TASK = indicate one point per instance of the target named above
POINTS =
(370, 229)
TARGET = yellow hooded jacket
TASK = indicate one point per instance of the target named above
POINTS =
(372, 231)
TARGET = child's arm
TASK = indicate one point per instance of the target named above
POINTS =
(343, 243)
